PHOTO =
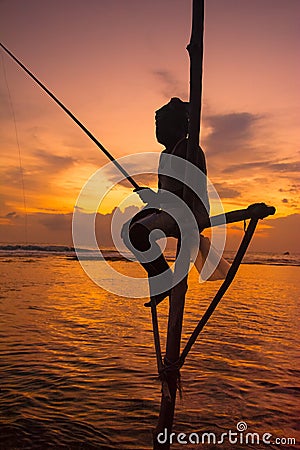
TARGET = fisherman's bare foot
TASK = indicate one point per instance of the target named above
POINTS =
(158, 298)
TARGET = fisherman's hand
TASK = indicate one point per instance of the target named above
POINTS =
(147, 195)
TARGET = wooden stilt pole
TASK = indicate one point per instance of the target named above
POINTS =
(170, 376)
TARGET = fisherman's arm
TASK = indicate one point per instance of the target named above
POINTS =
(147, 195)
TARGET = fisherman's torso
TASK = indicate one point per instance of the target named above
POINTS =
(171, 176)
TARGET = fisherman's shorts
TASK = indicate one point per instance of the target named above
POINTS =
(151, 219)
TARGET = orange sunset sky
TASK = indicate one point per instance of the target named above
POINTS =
(113, 63)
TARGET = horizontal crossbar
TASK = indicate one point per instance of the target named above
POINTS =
(254, 211)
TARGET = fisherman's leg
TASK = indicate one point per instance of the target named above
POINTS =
(159, 272)
(163, 221)
(136, 239)
(139, 238)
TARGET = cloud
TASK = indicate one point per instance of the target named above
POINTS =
(226, 191)
(56, 228)
(39, 172)
(170, 85)
(286, 167)
(11, 215)
(282, 234)
(242, 144)
(294, 188)
(11, 177)
(271, 166)
(51, 161)
(228, 132)
(55, 222)
(276, 235)
(273, 234)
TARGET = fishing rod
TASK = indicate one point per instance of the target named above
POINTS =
(70, 114)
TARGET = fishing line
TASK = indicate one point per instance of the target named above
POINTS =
(19, 149)
(70, 114)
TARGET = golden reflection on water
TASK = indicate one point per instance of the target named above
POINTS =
(76, 356)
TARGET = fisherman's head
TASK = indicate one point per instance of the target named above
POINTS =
(172, 122)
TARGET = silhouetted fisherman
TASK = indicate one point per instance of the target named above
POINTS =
(171, 131)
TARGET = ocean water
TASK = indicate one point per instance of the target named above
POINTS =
(78, 369)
